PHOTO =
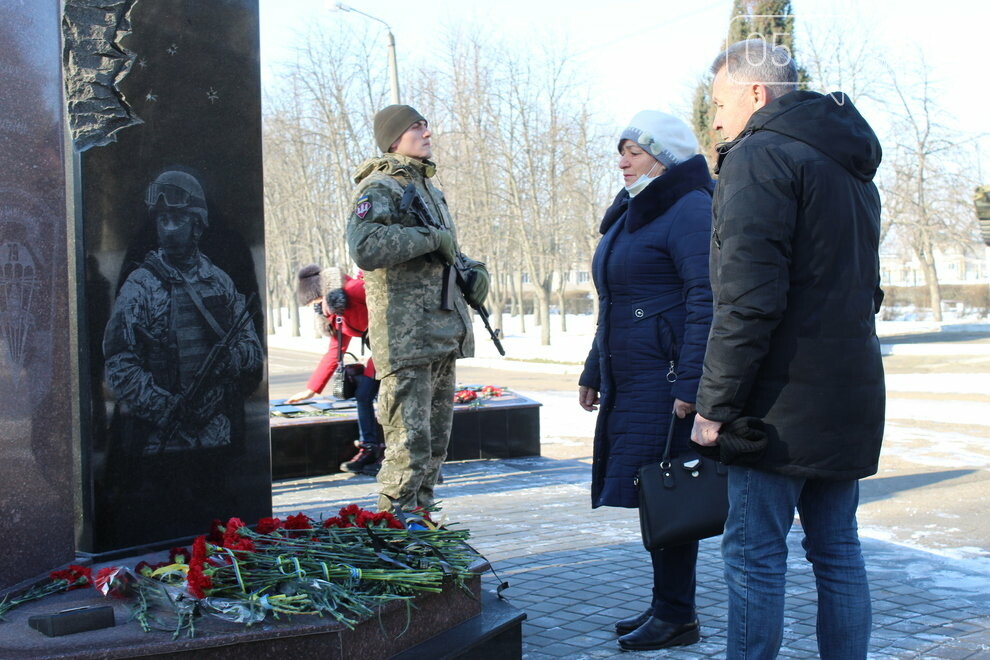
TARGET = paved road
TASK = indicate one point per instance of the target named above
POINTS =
(575, 570)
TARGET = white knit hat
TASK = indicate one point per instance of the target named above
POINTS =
(663, 136)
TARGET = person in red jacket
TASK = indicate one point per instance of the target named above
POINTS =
(341, 303)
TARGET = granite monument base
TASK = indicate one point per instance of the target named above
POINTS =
(507, 427)
(449, 624)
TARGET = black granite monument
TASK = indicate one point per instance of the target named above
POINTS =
(36, 474)
(165, 113)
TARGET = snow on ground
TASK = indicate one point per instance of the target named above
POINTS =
(562, 421)
(975, 413)
(940, 383)
(937, 448)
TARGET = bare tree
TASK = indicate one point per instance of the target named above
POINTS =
(928, 183)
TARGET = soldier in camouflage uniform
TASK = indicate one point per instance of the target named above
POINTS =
(415, 342)
(167, 317)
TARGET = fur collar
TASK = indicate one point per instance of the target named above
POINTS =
(662, 193)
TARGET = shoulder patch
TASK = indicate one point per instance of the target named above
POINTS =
(362, 206)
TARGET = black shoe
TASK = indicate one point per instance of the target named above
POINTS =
(626, 626)
(659, 634)
(362, 459)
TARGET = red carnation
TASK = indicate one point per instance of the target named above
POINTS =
(197, 581)
(178, 556)
(75, 576)
(390, 521)
(242, 545)
(268, 525)
(336, 521)
(112, 581)
(216, 532)
(298, 521)
(362, 519)
(230, 535)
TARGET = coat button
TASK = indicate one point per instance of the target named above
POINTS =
(639, 313)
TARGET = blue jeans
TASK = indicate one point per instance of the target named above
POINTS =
(754, 547)
(364, 394)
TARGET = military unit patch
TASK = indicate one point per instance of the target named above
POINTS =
(363, 206)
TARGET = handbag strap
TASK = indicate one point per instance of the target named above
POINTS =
(670, 438)
(340, 343)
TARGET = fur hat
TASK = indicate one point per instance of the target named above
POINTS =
(663, 136)
(314, 282)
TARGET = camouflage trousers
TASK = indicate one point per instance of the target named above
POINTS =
(416, 410)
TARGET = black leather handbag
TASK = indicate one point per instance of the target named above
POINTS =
(681, 499)
(343, 382)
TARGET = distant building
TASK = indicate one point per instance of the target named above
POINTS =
(965, 264)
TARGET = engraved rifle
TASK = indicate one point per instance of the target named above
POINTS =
(203, 375)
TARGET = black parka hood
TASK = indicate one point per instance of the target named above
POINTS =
(828, 122)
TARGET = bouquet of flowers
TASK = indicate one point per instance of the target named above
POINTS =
(73, 577)
(473, 393)
(342, 567)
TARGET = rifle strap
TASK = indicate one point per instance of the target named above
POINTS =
(201, 308)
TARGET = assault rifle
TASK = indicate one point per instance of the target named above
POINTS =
(459, 271)
(203, 375)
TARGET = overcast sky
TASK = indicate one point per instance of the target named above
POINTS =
(639, 54)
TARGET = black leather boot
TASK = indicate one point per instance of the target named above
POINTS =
(659, 634)
(625, 626)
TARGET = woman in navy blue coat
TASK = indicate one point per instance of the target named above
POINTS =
(655, 308)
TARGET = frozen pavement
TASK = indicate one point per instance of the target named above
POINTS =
(574, 570)
(926, 535)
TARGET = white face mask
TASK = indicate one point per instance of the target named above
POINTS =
(644, 180)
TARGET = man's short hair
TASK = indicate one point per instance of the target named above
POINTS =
(756, 61)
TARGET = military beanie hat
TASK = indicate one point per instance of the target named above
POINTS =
(391, 122)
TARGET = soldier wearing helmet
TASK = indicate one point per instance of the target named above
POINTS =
(168, 316)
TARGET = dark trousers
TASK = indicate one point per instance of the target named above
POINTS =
(364, 394)
(674, 583)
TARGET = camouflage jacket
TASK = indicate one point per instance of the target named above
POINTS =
(144, 365)
(403, 276)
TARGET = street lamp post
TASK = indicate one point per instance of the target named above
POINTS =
(393, 67)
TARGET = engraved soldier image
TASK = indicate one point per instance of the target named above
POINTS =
(181, 349)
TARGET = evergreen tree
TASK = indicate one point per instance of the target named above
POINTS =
(770, 20)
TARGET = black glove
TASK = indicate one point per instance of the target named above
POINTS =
(477, 286)
(740, 442)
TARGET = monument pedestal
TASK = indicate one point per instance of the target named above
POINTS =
(504, 427)
(450, 624)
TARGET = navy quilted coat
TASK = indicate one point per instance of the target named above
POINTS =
(655, 308)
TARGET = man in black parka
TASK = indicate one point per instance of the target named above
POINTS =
(795, 281)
